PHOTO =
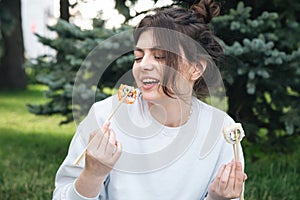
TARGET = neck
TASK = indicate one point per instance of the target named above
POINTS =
(172, 113)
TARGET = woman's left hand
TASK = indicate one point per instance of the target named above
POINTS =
(228, 183)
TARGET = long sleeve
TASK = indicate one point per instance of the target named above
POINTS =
(68, 172)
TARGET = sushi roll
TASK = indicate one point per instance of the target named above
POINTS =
(233, 132)
(128, 92)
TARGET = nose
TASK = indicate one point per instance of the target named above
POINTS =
(147, 63)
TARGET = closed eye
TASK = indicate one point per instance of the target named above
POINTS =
(138, 59)
(159, 57)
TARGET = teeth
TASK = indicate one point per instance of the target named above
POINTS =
(149, 81)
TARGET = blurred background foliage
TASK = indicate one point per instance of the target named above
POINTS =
(260, 68)
(261, 73)
(79, 49)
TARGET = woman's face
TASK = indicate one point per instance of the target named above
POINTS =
(149, 67)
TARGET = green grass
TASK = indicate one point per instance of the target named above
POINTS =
(32, 148)
(275, 177)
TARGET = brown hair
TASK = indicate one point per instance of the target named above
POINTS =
(191, 22)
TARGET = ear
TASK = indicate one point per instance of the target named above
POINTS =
(197, 70)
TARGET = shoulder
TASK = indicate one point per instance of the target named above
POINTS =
(215, 114)
(212, 121)
(97, 113)
(94, 119)
(103, 105)
(100, 109)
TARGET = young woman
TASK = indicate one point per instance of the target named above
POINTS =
(168, 144)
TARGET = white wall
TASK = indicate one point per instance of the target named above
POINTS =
(35, 15)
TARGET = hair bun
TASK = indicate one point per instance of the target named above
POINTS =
(205, 10)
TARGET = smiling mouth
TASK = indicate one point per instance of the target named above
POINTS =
(149, 81)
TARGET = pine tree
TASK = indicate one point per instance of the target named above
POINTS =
(261, 72)
(83, 57)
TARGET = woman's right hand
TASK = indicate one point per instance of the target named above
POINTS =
(102, 152)
(101, 155)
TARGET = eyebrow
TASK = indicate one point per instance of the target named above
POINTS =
(151, 49)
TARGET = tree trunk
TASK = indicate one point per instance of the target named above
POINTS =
(64, 10)
(12, 73)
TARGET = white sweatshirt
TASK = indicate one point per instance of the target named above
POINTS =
(158, 162)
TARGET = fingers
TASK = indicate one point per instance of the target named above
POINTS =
(231, 176)
(227, 177)
(240, 175)
(220, 172)
(94, 139)
(216, 182)
(118, 152)
(229, 181)
(245, 177)
(111, 145)
(105, 127)
(92, 135)
(97, 135)
(103, 151)
(104, 145)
